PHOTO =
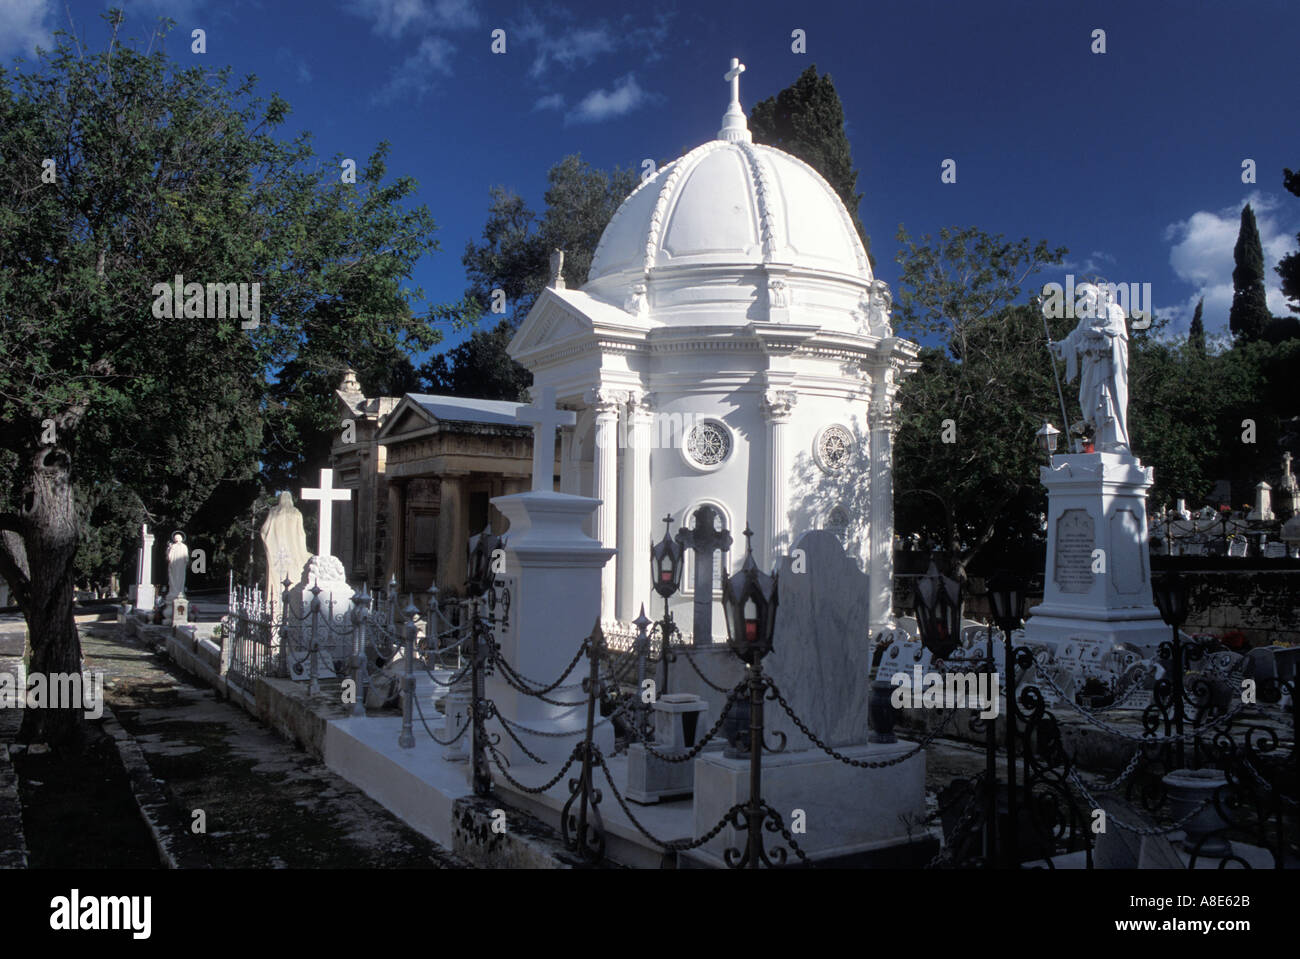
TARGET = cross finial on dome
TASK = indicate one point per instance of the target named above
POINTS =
(734, 129)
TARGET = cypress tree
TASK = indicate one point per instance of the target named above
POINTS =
(806, 119)
(1249, 315)
(1196, 334)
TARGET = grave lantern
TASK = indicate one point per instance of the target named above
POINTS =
(1046, 438)
(749, 601)
(666, 562)
(1007, 597)
(481, 574)
(938, 612)
(1170, 594)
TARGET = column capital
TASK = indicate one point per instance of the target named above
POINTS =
(778, 404)
(605, 400)
(640, 405)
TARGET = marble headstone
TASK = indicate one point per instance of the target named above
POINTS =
(821, 655)
(333, 622)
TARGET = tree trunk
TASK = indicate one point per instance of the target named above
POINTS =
(50, 535)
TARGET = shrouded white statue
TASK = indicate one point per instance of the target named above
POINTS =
(1097, 352)
(285, 541)
(178, 560)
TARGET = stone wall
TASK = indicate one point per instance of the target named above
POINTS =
(1262, 604)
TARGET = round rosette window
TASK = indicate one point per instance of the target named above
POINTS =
(833, 448)
(708, 444)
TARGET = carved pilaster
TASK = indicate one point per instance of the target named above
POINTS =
(777, 406)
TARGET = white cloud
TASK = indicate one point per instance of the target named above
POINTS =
(552, 101)
(415, 75)
(394, 18)
(25, 24)
(556, 41)
(293, 63)
(1201, 255)
(600, 105)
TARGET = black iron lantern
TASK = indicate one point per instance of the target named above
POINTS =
(481, 574)
(749, 601)
(666, 562)
(1007, 597)
(1170, 594)
(938, 612)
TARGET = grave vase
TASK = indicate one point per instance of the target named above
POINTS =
(1191, 789)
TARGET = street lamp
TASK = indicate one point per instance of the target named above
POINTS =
(938, 612)
(1046, 438)
(666, 562)
(666, 571)
(1007, 597)
(1170, 594)
(749, 601)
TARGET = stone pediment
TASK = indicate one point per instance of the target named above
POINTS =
(408, 417)
(561, 317)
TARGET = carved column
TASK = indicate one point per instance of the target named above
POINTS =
(880, 559)
(634, 526)
(453, 534)
(604, 477)
(776, 408)
(396, 532)
(568, 463)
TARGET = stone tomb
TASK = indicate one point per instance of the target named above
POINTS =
(821, 663)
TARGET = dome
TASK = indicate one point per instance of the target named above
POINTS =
(730, 204)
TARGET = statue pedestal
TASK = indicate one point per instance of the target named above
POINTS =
(1098, 577)
(553, 572)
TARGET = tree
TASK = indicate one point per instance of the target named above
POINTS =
(969, 415)
(1196, 332)
(514, 257)
(806, 119)
(1289, 266)
(478, 367)
(158, 171)
(1249, 316)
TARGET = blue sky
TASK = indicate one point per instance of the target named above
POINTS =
(1131, 158)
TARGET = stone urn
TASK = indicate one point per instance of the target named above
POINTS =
(1190, 789)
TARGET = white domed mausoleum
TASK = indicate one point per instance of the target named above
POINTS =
(730, 347)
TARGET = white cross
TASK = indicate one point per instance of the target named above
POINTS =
(327, 494)
(733, 76)
(545, 419)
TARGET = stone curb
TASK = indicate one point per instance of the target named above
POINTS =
(14, 854)
(177, 847)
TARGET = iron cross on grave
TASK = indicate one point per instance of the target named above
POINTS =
(708, 537)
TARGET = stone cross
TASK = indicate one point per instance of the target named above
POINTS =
(732, 76)
(546, 419)
(327, 495)
(704, 539)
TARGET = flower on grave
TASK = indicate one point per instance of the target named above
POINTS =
(1233, 639)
